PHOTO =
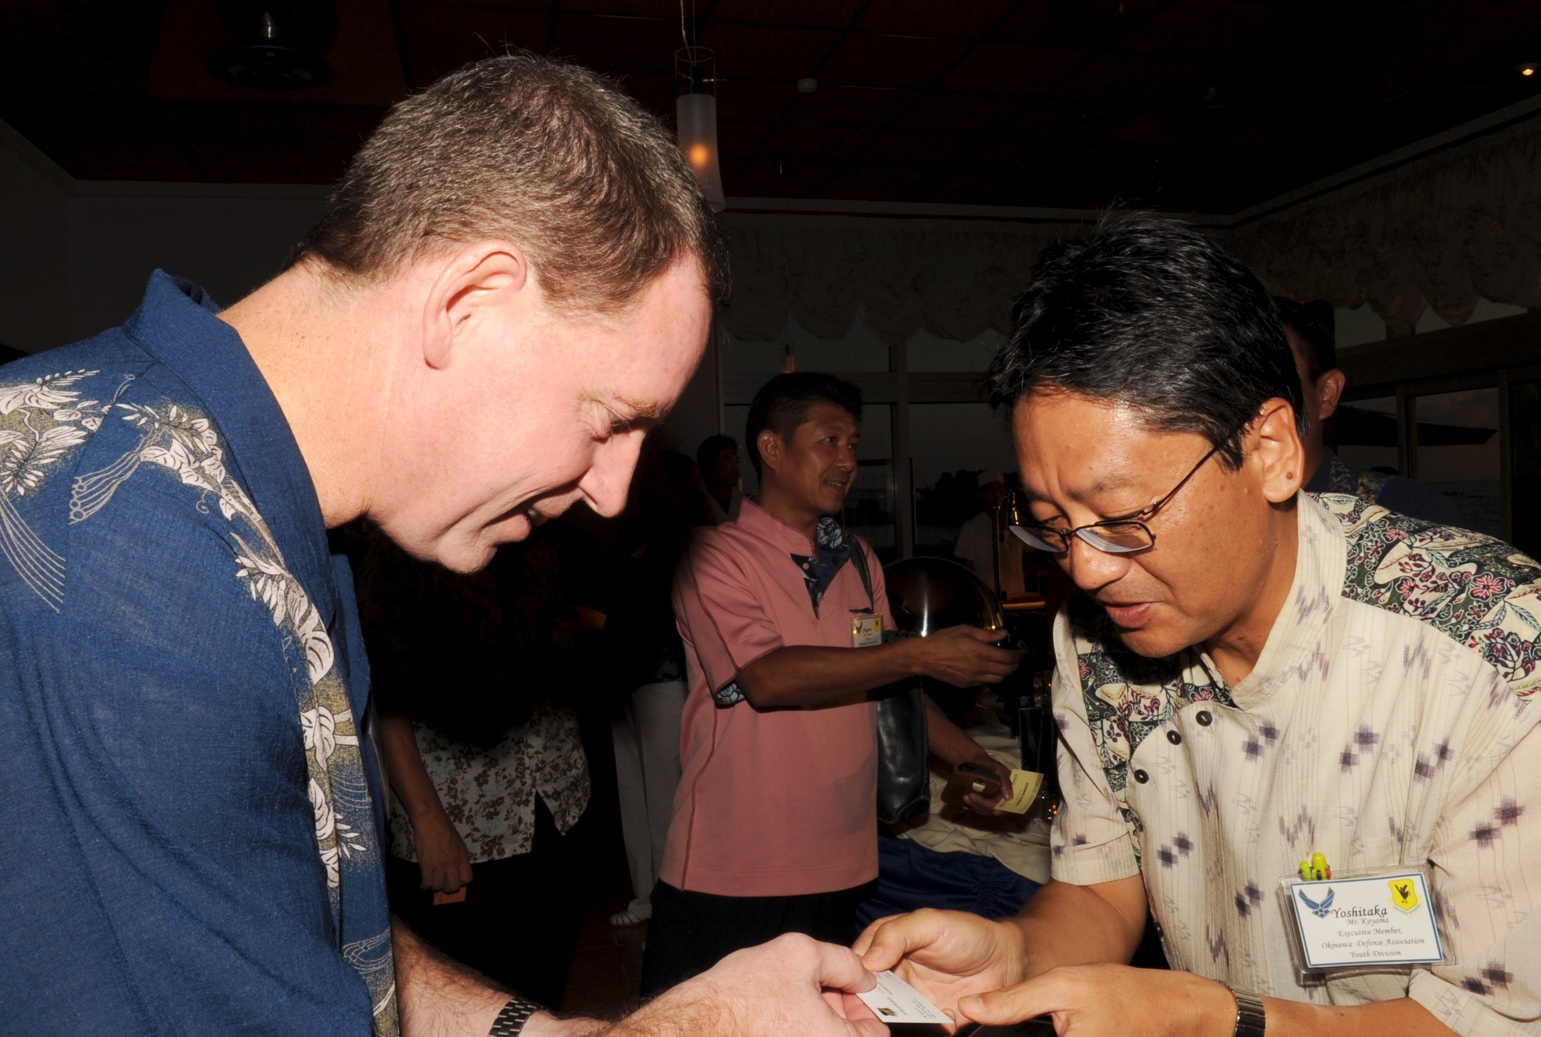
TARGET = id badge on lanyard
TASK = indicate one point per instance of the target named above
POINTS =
(866, 628)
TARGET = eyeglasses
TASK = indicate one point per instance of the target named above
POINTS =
(1118, 537)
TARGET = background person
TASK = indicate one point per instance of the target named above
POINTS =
(717, 458)
(642, 643)
(489, 781)
(775, 826)
(1313, 342)
(987, 547)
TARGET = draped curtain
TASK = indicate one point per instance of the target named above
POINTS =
(954, 280)
(1441, 230)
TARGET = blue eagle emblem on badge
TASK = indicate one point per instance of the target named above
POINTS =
(1319, 910)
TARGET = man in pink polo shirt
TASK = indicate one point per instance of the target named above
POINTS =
(775, 826)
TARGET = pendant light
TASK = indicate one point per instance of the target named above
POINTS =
(695, 115)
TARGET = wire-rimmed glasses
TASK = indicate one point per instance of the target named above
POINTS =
(1125, 536)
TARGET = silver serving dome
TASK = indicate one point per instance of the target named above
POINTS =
(928, 594)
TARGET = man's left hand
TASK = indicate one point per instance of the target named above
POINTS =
(1112, 1001)
(987, 804)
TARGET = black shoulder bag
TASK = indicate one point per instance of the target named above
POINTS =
(904, 784)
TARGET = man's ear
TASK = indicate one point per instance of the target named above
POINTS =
(1277, 450)
(1331, 384)
(770, 449)
(477, 279)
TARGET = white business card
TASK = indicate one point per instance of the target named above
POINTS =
(895, 1001)
(1380, 920)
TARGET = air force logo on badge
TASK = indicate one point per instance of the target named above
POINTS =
(1404, 895)
(1319, 910)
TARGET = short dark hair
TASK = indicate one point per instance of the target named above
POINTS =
(783, 403)
(1150, 314)
(710, 448)
(532, 150)
(1313, 326)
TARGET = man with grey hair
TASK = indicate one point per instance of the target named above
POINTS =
(511, 285)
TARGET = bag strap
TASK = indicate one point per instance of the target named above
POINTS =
(859, 560)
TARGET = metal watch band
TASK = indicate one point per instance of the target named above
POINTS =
(1250, 1019)
(516, 1013)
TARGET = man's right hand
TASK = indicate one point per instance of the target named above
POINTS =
(965, 655)
(946, 955)
(441, 854)
(791, 985)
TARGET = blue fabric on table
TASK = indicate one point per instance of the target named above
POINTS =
(911, 876)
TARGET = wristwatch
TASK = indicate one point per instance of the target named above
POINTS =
(1250, 1019)
(515, 1014)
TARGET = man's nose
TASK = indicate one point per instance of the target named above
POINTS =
(604, 485)
(1091, 569)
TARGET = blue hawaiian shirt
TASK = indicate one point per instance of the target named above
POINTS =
(190, 800)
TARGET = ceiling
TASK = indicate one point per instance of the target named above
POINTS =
(1038, 103)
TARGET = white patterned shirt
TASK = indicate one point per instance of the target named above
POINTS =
(1388, 722)
(489, 794)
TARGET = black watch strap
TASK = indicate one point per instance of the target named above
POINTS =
(515, 1014)
(1250, 1018)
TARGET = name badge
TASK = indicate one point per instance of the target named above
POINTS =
(1373, 920)
(866, 630)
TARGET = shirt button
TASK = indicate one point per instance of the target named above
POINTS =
(1204, 718)
(1174, 738)
(1141, 777)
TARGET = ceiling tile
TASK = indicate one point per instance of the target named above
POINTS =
(912, 148)
(366, 68)
(741, 139)
(668, 10)
(866, 182)
(1078, 24)
(961, 110)
(1206, 30)
(804, 143)
(654, 91)
(453, 35)
(616, 44)
(824, 13)
(880, 59)
(1124, 77)
(329, 135)
(1014, 69)
(841, 105)
(1069, 121)
(960, 18)
(756, 99)
(767, 52)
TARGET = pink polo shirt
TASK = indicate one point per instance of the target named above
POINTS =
(777, 802)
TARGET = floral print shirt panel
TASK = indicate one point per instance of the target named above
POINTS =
(1389, 722)
(489, 794)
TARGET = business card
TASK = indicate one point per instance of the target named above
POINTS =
(895, 1001)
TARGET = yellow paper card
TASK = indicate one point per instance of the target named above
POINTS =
(1024, 792)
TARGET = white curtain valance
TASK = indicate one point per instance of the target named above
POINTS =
(952, 279)
(1441, 230)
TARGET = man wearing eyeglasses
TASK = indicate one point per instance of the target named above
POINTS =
(1248, 676)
